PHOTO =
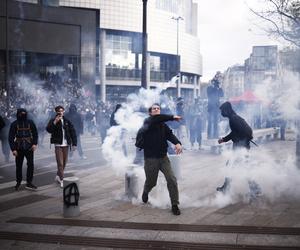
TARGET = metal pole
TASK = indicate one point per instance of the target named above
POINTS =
(145, 40)
(177, 51)
(178, 62)
(177, 54)
(7, 60)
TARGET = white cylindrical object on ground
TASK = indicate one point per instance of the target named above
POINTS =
(175, 164)
(71, 210)
(131, 184)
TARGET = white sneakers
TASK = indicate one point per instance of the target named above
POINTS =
(59, 181)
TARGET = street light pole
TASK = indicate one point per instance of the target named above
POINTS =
(145, 41)
(7, 59)
(177, 19)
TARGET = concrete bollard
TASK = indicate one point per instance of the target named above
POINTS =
(71, 195)
(175, 164)
(131, 183)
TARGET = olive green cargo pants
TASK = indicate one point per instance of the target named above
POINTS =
(152, 167)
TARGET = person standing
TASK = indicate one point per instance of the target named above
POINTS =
(23, 140)
(152, 138)
(63, 136)
(241, 134)
(214, 93)
(77, 121)
(4, 131)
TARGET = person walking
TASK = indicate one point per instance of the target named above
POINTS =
(23, 140)
(241, 134)
(152, 138)
(63, 136)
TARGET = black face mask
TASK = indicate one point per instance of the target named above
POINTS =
(223, 113)
(22, 116)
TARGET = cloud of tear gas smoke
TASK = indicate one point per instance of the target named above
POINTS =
(37, 98)
(118, 146)
(276, 174)
(276, 178)
(284, 93)
(31, 95)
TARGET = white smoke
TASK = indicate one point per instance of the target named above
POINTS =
(118, 147)
(283, 93)
(276, 175)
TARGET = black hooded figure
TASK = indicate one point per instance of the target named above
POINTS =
(76, 119)
(241, 134)
(23, 140)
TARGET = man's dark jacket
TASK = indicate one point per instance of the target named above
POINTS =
(57, 135)
(22, 133)
(75, 118)
(241, 132)
(156, 134)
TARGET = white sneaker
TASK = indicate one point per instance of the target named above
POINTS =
(62, 184)
(57, 179)
(83, 157)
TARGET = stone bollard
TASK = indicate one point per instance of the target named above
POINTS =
(71, 197)
(131, 183)
(175, 164)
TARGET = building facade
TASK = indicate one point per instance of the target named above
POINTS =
(262, 64)
(120, 36)
(234, 81)
(42, 39)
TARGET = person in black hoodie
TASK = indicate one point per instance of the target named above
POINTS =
(77, 121)
(241, 135)
(241, 132)
(63, 136)
(155, 134)
(23, 140)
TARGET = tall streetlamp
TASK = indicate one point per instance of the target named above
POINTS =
(145, 41)
(177, 19)
(7, 73)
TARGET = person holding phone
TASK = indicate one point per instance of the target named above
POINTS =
(63, 136)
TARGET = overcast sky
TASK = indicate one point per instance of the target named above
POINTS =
(227, 31)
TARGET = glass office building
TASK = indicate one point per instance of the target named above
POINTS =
(119, 59)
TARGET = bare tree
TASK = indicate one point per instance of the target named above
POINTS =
(283, 17)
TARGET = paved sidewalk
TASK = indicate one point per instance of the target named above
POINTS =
(108, 220)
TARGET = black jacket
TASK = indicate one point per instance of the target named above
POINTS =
(214, 94)
(76, 120)
(241, 132)
(57, 134)
(156, 134)
(22, 133)
(2, 123)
